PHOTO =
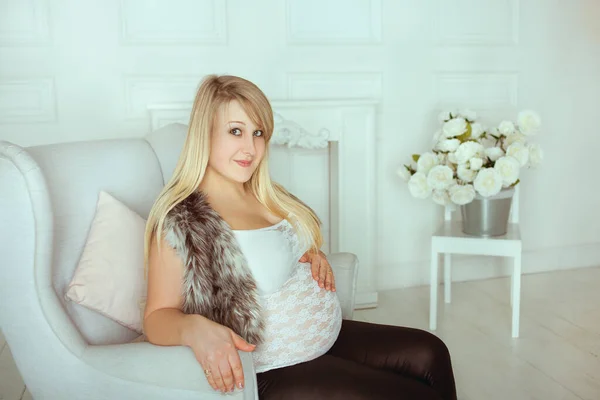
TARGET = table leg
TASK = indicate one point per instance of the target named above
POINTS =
(516, 295)
(433, 283)
(447, 277)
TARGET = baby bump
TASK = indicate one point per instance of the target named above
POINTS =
(302, 321)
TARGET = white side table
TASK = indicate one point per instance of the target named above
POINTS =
(449, 239)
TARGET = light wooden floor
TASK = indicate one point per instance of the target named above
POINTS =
(556, 357)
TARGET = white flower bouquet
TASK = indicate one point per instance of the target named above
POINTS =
(468, 159)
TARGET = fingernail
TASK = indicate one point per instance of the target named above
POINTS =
(240, 385)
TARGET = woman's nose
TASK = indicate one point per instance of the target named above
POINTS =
(249, 146)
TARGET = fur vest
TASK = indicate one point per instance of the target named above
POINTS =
(217, 282)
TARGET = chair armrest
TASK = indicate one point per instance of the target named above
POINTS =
(345, 271)
(165, 366)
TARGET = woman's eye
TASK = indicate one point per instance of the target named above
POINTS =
(258, 133)
(236, 131)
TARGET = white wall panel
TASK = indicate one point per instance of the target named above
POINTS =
(174, 21)
(24, 22)
(142, 91)
(27, 100)
(333, 21)
(476, 22)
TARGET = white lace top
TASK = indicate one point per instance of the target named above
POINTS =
(302, 319)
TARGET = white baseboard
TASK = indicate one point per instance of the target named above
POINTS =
(365, 300)
(467, 268)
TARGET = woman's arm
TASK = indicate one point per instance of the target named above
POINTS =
(164, 322)
(215, 346)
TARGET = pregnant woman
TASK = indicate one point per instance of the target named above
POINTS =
(229, 256)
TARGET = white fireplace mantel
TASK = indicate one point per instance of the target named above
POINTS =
(347, 127)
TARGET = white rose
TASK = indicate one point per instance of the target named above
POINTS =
(536, 155)
(448, 145)
(506, 128)
(426, 162)
(452, 158)
(529, 122)
(465, 173)
(468, 150)
(441, 197)
(487, 141)
(476, 130)
(440, 177)
(444, 116)
(403, 173)
(461, 194)
(488, 182)
(475, 163)
(469, 115)
(417, 185)
(454, 127)
(517, 137)
(519, 151)
(508, 167)
(494, 153)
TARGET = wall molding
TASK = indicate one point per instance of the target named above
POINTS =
(143, 28)
(453, 28)
(321, 24)
(140, 91)
(34, 29)
(27, 100)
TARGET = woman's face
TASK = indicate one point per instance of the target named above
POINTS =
(237, 145)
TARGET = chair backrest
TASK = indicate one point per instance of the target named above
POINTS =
(133, 170)
(514, 208)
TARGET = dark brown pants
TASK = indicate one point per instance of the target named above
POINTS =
(368, 361)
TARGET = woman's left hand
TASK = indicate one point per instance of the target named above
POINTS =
(321, 270)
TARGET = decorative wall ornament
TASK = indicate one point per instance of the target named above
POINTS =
(287, 132)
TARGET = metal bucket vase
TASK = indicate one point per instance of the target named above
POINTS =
(487, 216)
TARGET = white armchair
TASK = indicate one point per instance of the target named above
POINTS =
(64, 351)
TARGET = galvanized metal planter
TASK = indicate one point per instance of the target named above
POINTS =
(487, 216)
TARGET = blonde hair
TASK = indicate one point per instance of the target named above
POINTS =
(213, 92)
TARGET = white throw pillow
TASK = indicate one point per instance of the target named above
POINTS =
(109, 278)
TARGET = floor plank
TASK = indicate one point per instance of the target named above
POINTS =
(27, 395)
(11, 383)
(484, 366)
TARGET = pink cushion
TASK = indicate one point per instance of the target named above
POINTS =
(109, 278)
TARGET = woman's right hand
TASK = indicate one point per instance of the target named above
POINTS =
(216, 349)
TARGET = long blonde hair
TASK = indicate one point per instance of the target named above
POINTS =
(213, 92)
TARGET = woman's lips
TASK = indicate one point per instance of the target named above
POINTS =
(244, 164)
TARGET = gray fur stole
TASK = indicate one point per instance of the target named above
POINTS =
(217, 282)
